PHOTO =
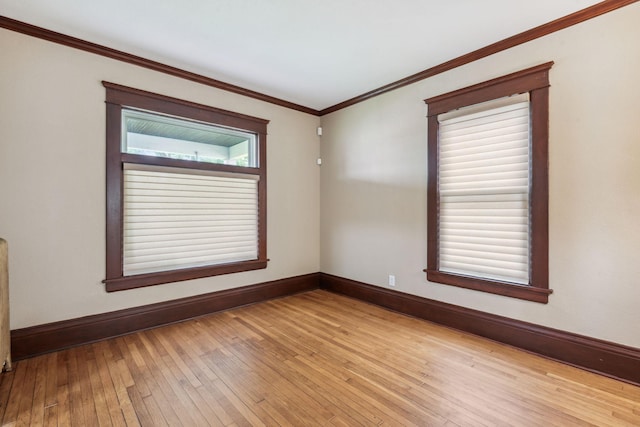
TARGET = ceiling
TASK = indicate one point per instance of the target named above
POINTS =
(312, 53)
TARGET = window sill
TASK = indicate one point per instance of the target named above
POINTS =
(150, 279)
(529, 293)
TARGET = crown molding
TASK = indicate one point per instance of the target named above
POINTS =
(521, 38)
(596, 10)
(76, 43)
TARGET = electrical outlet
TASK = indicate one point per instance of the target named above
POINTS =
(392, 280)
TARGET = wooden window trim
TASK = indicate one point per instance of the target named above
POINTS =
(534, 80)
(117, 97)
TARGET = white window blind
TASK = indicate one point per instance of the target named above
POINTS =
(182, 218)
(484, 169)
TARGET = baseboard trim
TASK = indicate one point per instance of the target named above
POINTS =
(603, 357)
(41, 339)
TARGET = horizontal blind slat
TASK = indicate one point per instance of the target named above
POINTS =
(492, 145)
(500, 156)
(138, 254)
(492, 260)
(484, 169)
(487, 161)
(190, 233)
(488, 136)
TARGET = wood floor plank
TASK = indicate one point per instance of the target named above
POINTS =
(337, 350)
(75, 393)
(187, 350)
(99, 394)
(215, 394)
(6, 383)
(38, 403)
(85, 357)
(51, 416)
(243, 414)
(102, 361)
(168, 376)
(27, 394)
(146, 416)
(315, 358)
(173, 349)
(51, 389)
(116, 375)
(134, 365)
(160, 394)
(278, 393)
(63, 406)
(326, 404)
(281, 340)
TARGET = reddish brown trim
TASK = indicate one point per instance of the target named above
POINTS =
(113, 228)
(539, 188)
(123, 283)
(521, 38)
(528, 293)
(35, 340)
(73, 42)
(433, 207)
(119, 97)
(132, 97)
(141, 159)
(602, 357)
(522, 81)
(535, 81)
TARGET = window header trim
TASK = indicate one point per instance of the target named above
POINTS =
(153, 102)
(519, 82)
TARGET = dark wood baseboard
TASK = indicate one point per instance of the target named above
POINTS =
(35, 340)
(606, 358)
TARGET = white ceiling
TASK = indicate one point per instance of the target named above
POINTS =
(309, 52)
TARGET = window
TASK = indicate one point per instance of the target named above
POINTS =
(488, 186)
(186, 190)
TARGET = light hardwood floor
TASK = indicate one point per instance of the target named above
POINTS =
(311, 359)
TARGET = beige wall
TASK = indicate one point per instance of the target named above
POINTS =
(373, 182)
(52, 184)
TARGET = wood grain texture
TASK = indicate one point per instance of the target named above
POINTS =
(5, 339)
(31, 341)
(315, 358)
(606, 358)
